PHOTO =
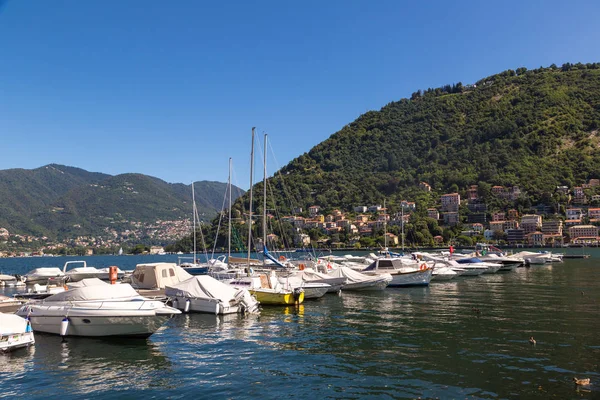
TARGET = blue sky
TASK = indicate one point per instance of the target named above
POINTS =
(172, 89)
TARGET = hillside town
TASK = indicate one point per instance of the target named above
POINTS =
(577, 226)
(576, 223)
(158, 233)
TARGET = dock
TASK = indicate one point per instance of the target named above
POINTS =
(576, 256)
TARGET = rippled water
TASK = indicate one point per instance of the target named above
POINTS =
(399, 343)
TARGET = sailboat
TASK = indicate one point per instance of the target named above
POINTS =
(193, 267)
(264, 286)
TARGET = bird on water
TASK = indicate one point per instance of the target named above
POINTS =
(532, 340)
(584, 382)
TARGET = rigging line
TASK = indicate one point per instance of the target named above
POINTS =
(292, 200)
(201, 233)
(212, 255)
(278, 218)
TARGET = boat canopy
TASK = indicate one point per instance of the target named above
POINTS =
(158, 275)
(202, 286)
(95, 289)
(468, 260)
(11, 323)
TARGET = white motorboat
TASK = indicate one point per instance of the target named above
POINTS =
(531, 258)
(8, 280)
(15, 332)
(312, 290)
(509, 263)
(402, 275)
(79, 273)
(92, 307)
(205, 294)
(491, 268)
(357, 281)
(442, 272)
(309, 275)
(41, 275)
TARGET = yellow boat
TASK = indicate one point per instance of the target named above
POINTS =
(277, 297)
(268, 290)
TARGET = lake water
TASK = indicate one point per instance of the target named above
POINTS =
(398, 343)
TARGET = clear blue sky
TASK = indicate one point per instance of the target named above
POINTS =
(172, 88)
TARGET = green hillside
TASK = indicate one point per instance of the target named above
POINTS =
(535, 129)
(59, 201)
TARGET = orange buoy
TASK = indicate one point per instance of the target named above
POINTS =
(301, 267)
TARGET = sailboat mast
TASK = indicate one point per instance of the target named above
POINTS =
(229, 230)
(385, 227)
(194, 218)
(264, 227)
(402, 223)
(250, 207)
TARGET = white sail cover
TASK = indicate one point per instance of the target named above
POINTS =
(351, 275)
(11, 323)
(95, 289)
(202, 286)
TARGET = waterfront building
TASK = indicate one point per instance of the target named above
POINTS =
(531, 223)
(579, 231)
(450, 202)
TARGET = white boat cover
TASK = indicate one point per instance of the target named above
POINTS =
(351, 275)
(11, 323)
(202, 286)
(158, 275)
(95, 289)
(86, 282)
(46, 271)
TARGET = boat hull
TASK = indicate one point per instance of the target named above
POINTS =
(139, 326)
(99, 319)
(266, 297)
(14, 341)
(207, 306)
(414, 278)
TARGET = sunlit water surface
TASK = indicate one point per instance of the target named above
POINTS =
(399, 343)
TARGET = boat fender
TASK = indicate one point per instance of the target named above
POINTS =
(217, 308)
(423, 267)
(28, 327)
(175, 303)
(301, 267)
(112, 274)
(187, 305)
(64, 326)
(296, 293)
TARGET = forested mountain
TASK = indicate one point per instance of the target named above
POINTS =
(533, 128)
(59, 201)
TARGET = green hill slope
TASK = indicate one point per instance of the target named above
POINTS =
(535, 129)
(63, 202)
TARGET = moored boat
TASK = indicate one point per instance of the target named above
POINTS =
(355, 280)
(92, 307)
(208, 295)
(15, 332)
(402, 275)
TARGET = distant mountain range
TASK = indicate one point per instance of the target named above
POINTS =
(61, 202)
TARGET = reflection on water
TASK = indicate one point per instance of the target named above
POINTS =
(465, 338)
